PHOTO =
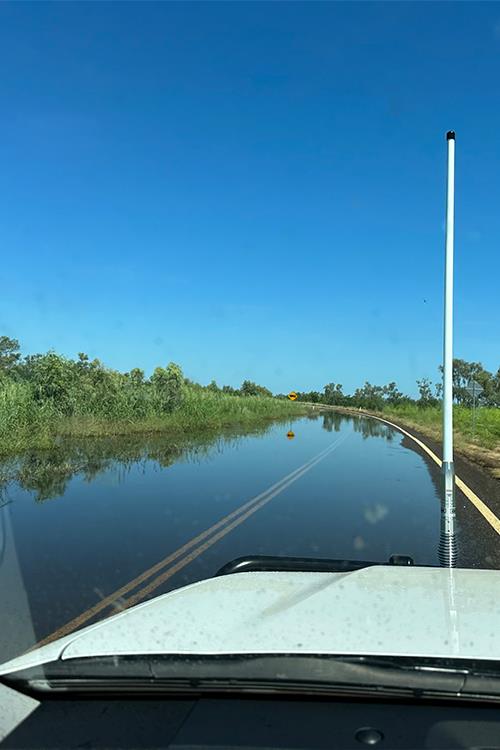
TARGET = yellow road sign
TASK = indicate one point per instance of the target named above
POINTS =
(293, 396)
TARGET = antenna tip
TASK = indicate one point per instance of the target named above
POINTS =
(450, 135)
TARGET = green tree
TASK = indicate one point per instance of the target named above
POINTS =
(311, 397)
(9, 354)
(137, 376)
(332, 394)
(369, 396)
(495, 396)
(425, 390)
(392, 395)
(53, 379)
(168, 386)
(248, 388)
(463, 372)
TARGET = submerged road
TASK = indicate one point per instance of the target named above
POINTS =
(343, 486)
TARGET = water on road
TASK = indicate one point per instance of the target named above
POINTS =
(80, 523)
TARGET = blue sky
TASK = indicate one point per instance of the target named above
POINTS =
(251, 190)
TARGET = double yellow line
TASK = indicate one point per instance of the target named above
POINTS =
(173, 563)
(189, 551)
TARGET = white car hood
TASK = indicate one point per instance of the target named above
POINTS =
(380, 610)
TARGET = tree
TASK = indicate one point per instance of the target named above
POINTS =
(136, 376)
(53, 379)
(369, 396)
(463, 372)
(310, 397)
(495, 397)
(168, 385)
(332, 394)
(248, 388)
(9, 354)
(392, 395)
(425, 390)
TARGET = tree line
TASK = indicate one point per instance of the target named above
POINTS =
(376, 397)
(85, 386)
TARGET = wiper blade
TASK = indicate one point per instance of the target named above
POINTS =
(270, 563)
(303, 673)
(197, 688)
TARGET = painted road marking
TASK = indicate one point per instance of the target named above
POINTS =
(199, 550)
(481, 506)
(240, 515)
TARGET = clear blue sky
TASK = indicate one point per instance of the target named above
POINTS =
(251, 190)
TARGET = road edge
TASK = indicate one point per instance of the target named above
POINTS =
(489, 516)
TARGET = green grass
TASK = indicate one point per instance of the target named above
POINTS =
(487, 430)
(26, 423)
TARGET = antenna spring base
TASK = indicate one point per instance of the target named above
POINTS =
(447, 552)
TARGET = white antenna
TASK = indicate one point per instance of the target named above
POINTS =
(447, 545)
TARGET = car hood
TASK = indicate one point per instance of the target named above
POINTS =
(379, 610)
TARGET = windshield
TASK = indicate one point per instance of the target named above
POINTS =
(226, 232)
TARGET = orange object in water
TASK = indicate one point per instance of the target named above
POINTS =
(290, 435)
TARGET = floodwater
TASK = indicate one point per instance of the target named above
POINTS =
(79, 523)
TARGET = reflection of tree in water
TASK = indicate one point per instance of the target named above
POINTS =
(332, 421)
(373, 428)
(47, 473)
(7, 468)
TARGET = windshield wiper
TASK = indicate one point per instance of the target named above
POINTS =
(271, 563)
(278, 673)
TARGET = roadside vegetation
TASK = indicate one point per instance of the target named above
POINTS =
(46, 397)
(477, 434)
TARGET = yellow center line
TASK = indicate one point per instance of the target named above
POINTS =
(214, 533)
(219, 535)
(257, 501)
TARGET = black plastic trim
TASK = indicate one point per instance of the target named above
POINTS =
(269, 563)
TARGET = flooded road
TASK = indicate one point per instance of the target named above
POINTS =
(87, 527)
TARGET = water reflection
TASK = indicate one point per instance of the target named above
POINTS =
(332, 421)
(372, 428)
(369, 428)
(47, 474)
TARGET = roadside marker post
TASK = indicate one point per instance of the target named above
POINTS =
(293, 397)
(447, 543)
